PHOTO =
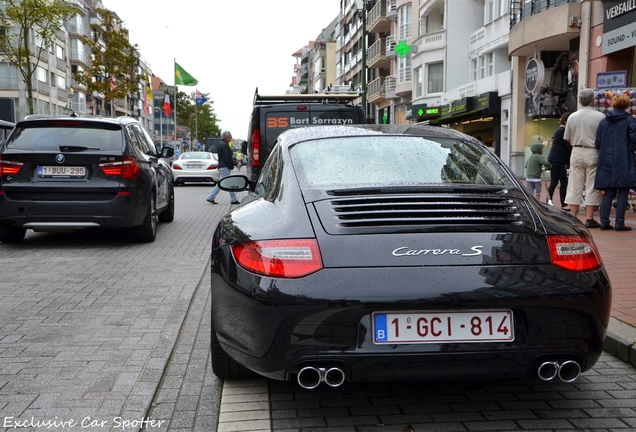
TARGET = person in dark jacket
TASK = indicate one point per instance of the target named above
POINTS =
(616, 170)
(559, 158)
(226, 164)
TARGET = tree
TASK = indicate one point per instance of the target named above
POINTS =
(201, 119)
(28, 29)
(113, 55)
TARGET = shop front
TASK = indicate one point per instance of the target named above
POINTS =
(477, 116)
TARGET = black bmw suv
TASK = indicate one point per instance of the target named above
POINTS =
(72, 173)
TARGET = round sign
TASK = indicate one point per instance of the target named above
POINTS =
(535, 72)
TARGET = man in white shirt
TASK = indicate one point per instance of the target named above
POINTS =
(580, 131)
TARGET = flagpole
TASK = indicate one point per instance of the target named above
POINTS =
(196, 117)
(174, 59)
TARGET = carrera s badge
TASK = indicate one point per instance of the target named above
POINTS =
(405, 251)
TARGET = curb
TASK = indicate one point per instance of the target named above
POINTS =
(620, 341)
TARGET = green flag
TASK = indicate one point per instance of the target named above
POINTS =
(181, 77)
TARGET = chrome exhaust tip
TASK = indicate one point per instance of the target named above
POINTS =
(569, 371)
(309, 377)
(334, 377)
(548, 370)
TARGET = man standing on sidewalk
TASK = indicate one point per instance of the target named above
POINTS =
(580, 131)
(226, 164)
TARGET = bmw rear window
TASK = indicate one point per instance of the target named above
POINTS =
(362, 161)
(52, 134)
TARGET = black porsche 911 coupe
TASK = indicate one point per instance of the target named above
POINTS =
(400, 252)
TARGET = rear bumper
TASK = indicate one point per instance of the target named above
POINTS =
(195, 177)
(276, 327)
(117, 213)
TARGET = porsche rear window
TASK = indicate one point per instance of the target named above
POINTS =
(364, 161)
(43, 136)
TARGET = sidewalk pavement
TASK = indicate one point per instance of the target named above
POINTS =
(618, 252)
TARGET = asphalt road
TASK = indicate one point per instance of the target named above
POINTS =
(98, 332)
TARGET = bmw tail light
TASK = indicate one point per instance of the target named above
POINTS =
(256, 147)
(279, 258)
(127, 168)
(9, 167)
(574, 253)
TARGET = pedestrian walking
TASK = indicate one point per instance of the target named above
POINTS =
(226, 164)
(559, 158)
(616, 171)
(534, 166)
(580, 131)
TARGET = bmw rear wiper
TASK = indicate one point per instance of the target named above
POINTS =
(76, 148)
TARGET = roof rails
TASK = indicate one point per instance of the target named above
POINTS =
(333, 97)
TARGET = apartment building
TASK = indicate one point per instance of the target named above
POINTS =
(461, 69)
(56, 91)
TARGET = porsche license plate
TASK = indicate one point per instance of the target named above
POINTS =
(443, 327)
(61, 171)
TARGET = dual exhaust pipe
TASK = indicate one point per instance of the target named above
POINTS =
(310, 377)
(568, 371)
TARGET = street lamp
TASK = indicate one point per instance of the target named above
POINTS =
(361, 6)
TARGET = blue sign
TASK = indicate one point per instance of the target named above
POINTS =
(608, 80)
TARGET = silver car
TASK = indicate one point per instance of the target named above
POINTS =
(196, 167)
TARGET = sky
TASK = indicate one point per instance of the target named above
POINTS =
(230, 47)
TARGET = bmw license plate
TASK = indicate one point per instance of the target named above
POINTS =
(443, 327)
(61, 172)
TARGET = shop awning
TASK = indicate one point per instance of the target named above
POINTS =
(470, 115)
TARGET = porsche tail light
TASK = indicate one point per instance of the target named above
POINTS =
(9, 167)
(574, 253)
(176, 166)
(127, 168)
(256, 147)
(279, 258)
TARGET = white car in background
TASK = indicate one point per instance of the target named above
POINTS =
(196, 167)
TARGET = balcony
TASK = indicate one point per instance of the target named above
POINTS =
(433, 41)
(390, 83)
(391, 10)
(377, 22)
(491, 37)
(404, 85)
(524, 9)
(376, 55)
(77, 3)
(390, 47)
(79, 56)
(375, 90)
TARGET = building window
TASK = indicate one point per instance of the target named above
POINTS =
(61, 81)
(473, 69)
(405, 22)
(75, 24)
(435, 78)
(493, 10)
(490, 60)
(8, 76)
(404, 69)
(482, 67)
(59, 52)
(42, 74)
(418, 82)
